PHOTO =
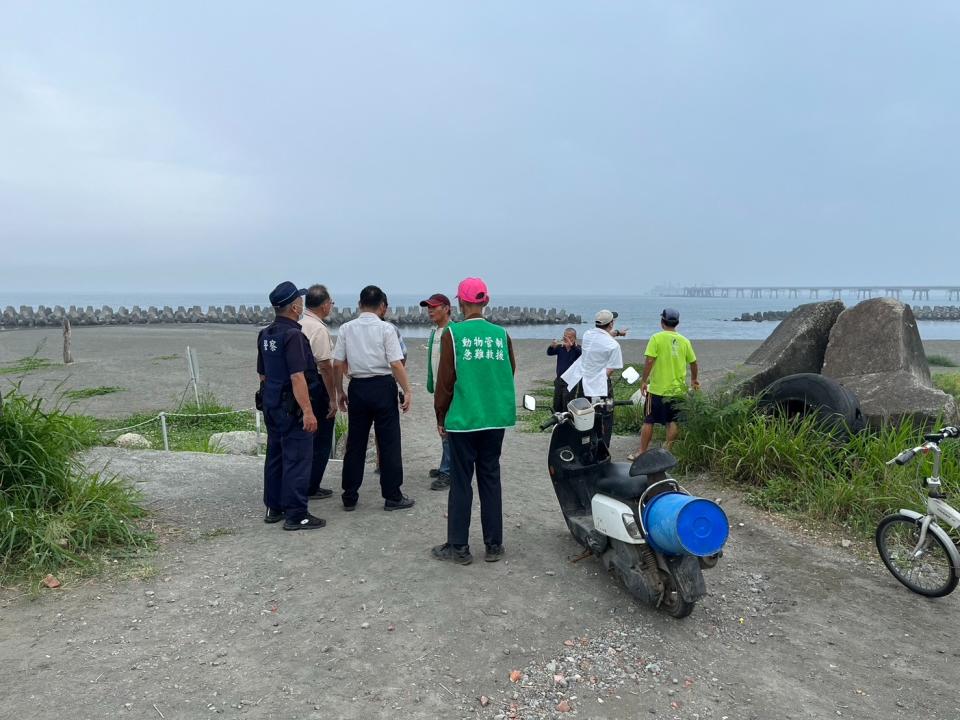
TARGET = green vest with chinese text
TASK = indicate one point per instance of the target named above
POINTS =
(483, 395)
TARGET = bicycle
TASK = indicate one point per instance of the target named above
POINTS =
(915, 548)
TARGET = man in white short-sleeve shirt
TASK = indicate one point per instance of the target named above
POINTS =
(601, 356)
(369, 348)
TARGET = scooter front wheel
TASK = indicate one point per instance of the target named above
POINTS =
(672, 602)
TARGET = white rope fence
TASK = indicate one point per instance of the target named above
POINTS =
(162, 417)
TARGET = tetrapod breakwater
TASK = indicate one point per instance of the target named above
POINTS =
(925, 312)
(29, 317)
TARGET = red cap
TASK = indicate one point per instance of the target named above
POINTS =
(473, 291)
(435, 300)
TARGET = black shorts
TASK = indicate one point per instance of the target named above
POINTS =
(662, 410)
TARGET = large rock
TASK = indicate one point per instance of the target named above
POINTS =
(238, 442)
(875, 350)
(132, 441)
(797, 345)
(894, 397)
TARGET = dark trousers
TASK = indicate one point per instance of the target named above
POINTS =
(562, 395)
(475, 452)
(286, 471)
(373, 401)
(322, 438)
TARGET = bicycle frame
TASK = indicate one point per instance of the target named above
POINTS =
(937, 505)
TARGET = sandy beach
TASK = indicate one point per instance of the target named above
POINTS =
(148, 362)
(234, 618)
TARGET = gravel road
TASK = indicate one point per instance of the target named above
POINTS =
(234, 618)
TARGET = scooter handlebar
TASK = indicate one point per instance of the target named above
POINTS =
(550, 422)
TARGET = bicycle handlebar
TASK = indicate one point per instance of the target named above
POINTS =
(622, 403)
(904, 457)
(933, 440)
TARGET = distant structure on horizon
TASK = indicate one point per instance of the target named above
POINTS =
(917, 292)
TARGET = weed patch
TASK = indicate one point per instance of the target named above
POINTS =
(940, 361)
(797, 467)
(25, 366)
(949, 383)
(54, 514)
(84, 393)
(188, 429)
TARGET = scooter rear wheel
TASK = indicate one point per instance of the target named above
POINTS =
(673, 603)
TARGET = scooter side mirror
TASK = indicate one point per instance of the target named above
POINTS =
(529, 402)
(630, 375)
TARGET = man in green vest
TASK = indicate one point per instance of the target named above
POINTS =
(475, 401)
(438, 309)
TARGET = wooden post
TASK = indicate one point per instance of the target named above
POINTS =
(67, 353)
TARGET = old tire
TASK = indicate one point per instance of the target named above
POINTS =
(805, 394)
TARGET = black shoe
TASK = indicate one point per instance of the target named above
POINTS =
(320, 493)
(441, 483)
(273, 516)
(349, 508)
(307, 522)
(402, 504)
(434, 472)
(494, 553)
(459, 555)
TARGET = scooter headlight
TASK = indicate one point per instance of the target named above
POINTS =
(630, 523)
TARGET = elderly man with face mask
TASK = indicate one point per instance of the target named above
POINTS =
(287, 369)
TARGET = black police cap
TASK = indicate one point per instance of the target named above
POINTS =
(285, 293)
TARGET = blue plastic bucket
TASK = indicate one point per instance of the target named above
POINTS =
(677, 524)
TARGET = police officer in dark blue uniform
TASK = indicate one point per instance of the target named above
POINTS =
(287, 368)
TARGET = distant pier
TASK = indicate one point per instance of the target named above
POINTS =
(863, 292)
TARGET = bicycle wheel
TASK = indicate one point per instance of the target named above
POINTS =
(926, 570)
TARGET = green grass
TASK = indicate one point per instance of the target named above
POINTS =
(84, 393)
(53, 514)
(940, 361)
(25, 366)
(184, 433)
(795, 466)
(626, 420)
(949, 383)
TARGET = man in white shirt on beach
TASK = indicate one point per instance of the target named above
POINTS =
(601, 356)
(317, 306)
(370, 348)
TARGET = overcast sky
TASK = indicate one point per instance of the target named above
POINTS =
(594, 146)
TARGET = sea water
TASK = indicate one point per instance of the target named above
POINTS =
(700, 318)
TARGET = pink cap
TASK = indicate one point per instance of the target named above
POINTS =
(474, 291)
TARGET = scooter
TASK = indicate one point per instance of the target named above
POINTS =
(654, 535)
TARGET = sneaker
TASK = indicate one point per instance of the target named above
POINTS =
(273, 516)
(494, 553)
(402, 504)
(459, 555)
(320, 493)
(434, 472)
(307, 522)
(441, 483)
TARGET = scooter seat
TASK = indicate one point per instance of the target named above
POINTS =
(652, 462)
(617, 481)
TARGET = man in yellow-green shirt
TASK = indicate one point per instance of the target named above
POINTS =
(664, 378)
